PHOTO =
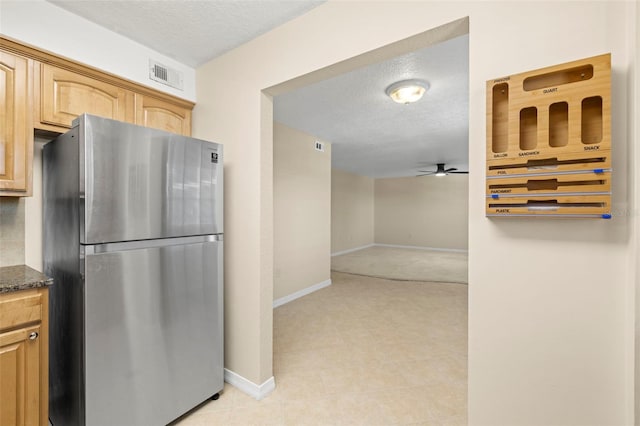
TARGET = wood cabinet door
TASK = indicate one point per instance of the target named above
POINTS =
(158, 114)
(20, 377)
(16, 125)
(64, 95)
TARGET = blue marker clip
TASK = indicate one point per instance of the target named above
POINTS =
(606, 216)
(598, 171)
(495, 196)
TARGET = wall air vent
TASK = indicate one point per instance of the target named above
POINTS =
(165, 75)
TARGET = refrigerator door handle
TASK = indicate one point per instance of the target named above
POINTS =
(143, 244)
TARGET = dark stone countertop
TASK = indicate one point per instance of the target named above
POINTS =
(21, 277)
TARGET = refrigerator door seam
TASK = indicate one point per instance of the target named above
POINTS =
(142, 244)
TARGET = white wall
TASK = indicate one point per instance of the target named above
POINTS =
(41, 24)
(634, 160)
(547, 298)
(12, 228)
(351, 211)
(549, 327)
(423, 211)
(34, 214)
(302, 207)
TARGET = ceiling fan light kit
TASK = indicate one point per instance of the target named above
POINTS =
(407, 91)
(549, 141)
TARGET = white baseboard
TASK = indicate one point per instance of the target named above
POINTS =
(422, 248)
(286, 299)
(247, 386)
(338, 253)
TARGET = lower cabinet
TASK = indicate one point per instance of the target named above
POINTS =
(24, 358)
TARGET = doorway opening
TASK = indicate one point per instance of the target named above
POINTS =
(323, 206)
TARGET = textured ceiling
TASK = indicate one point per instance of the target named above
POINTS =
(373, 136)
(189, 31)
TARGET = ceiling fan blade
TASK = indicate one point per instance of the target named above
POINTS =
(440, 171)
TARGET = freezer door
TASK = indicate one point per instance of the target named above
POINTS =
(138, 183)
(153, 332)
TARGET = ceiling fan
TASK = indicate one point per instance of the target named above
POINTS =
(441, 171)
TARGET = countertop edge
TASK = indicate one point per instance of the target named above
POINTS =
(21, 277)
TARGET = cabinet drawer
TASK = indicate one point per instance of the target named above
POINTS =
(19, 308)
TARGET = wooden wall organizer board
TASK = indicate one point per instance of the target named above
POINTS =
(549, 141)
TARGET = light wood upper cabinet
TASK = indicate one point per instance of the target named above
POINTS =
(159, 114)
(24, 393)
(64, 95)
(16, 124)
(42, 91)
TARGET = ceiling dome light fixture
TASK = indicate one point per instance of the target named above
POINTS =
(407, 91)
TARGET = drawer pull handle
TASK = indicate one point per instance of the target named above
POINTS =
(33, 335)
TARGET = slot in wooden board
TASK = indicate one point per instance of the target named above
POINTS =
(556, 110)
(21, 308)
(558, 183)
(567, 162)
(595, 205)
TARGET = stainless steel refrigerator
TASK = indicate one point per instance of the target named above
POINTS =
(133, 237)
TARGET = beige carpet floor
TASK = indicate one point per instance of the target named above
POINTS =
(362, 351)
(404, 264)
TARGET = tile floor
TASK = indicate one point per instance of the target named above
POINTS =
(363, 351)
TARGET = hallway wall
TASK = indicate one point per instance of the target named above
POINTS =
(423, 211)
(351, 211)
(301, 211)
